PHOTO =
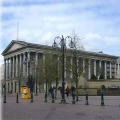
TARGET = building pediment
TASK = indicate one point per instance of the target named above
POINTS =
(13, 46)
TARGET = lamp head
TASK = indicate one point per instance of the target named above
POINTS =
(72, 45)
(55, 44)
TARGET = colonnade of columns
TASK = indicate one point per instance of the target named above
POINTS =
(99, 67)
(16, 66)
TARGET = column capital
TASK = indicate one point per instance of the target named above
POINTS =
(29, 51)
(105, 61)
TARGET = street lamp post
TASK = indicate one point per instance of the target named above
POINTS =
(63, 47)
(30, 80)
(35, 67)
(36, 80)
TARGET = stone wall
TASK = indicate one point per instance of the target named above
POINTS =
(107, 83)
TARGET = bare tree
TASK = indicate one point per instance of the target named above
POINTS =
(56, 72)
(76, 68)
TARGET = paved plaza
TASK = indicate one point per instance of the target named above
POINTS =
(39, 110)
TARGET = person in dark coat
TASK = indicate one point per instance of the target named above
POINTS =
(51, 91)
(72, 90)
(30, 83)
(60, 89)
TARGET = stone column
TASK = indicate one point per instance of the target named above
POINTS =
(20, 70)
(36, 58)
(83, 66)
(95, 67)
(118, 71)
(110, 70)
(28, 63)
(115, 70)
(5, 69)
(118, 66)
(89, 70)
(10, 68)
(100, 68)
(36, 64)
(13, 69)
(100, 64)
(16, 66)
(24, 65)
(105, 71)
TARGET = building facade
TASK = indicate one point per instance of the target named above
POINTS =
(1, 72)
(20, 58)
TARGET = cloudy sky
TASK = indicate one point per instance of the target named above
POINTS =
(97, 22)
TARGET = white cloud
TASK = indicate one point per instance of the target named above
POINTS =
(40, 22)
(97, 42)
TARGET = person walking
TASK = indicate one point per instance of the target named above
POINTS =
(67, 91)
(72, 90)
(51, 91)
(60, 89)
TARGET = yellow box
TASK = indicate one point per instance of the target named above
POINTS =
(24, 89)
(25, 94)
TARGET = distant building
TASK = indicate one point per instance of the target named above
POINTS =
(1, 72)
(118, 68)
(18, 54)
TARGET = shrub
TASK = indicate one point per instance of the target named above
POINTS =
(101, 77)
(103, 87)
(93, 77)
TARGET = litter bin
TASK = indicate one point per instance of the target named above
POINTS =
(25, 94)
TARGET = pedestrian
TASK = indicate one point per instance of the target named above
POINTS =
(60, 89)
(67, 91)
(4, 87)
(51, 91)
(30, 83)
(72, 90)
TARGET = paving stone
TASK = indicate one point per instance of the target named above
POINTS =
(39, 110)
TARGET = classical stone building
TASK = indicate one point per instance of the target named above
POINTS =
(1, 72)
(18, 55)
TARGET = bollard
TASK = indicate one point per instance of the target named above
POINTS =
(4, 98)
(4, 93)
(31, 97)
(53, 98)
(45, 97)
(73, 95)
(17, 98)
(86, 102)
(102, 99)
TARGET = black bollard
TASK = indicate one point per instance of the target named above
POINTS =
(86, 101)
(45, 97)
(53, 101)
(4, 86)
(31, 97)
(4, 98)
(17, 98)
(102, 99)
(73, 95)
